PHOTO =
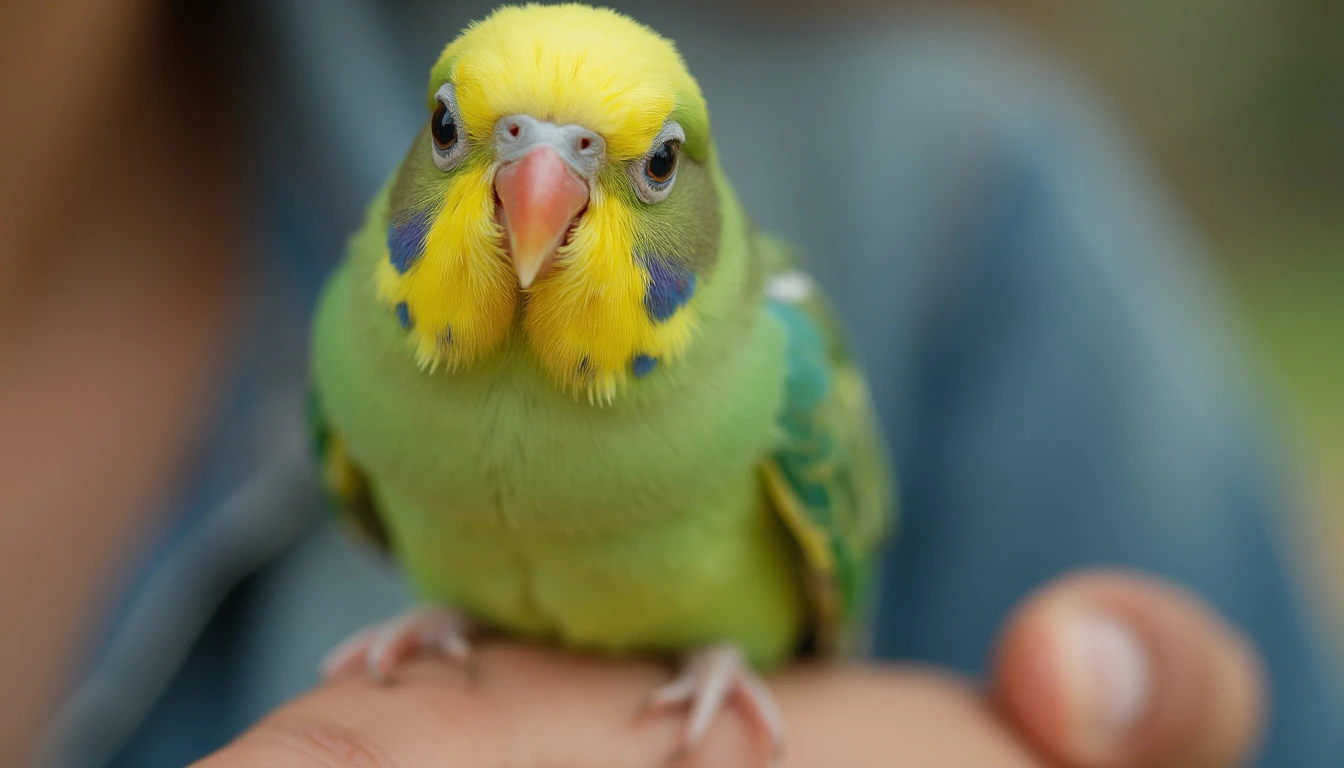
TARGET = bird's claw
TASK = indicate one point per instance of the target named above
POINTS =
(379, 649)
(708, 678)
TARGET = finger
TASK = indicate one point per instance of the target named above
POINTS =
(426, 719)
(1113, 670)
(532, 707)
(543, 708)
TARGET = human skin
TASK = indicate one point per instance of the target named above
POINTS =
(117, 246)
(1053, 700)
(118, 251)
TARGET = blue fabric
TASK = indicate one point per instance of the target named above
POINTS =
(1048, 353)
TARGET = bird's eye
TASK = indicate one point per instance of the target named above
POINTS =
(663, 162)
(446, 133)
(444, 128)
(654, 175)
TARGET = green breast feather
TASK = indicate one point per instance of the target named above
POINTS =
(828, 478)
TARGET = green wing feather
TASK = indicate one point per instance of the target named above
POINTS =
(345, 483)
(828, 477)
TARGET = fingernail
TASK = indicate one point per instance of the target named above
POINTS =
(1109, 676)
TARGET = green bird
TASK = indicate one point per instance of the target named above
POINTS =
(577, 396)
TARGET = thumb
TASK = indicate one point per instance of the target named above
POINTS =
(1117, 670)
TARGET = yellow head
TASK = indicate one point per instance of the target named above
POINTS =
(562, 188)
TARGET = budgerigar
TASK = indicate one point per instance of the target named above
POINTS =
(577, 395)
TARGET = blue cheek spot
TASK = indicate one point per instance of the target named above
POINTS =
(406, 240)
(671, 285)
(643, 365)
(404, 316)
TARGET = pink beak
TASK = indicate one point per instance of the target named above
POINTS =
(541, 197)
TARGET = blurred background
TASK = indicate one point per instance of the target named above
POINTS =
(1241, 103)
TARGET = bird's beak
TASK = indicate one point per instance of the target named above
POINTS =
(541, 197)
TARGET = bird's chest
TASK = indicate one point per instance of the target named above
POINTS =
(502, 446)
(719, 568)
(607, 527)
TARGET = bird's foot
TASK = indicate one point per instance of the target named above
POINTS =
(380, 648)
(708, 678)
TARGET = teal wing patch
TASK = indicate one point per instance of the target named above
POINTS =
(828, 475)
(346, 485)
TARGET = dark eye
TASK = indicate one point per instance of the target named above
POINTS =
(443, 128)
(663, 163)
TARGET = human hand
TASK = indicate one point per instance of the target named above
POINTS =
(1096, 670)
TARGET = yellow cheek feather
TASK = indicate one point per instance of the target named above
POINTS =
(460, 294)
(587, 321)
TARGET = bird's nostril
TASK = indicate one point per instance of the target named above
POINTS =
(513, 129)
(585, 142)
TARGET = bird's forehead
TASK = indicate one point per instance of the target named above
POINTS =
(568, 65)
